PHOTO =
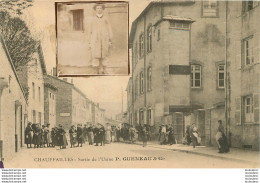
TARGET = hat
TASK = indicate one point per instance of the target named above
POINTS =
(29, 123)
(43, 125)
(48, 124)
(99, 4)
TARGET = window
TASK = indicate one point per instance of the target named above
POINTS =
(149, 79)
(158, 35)
(248, 54)
(50, 95)
(248, 109)
(249, 5)
(33, 90)
(40, 118)
(141, 45)
(141, 82)
(136, 88)
(149, 116)
(34, 116)
(136, 53)
(141, 116)
(149, 39)
(179, 25)
(195, 76)
(209, 8)
(221, 76)
(39, 93)
(77, 20)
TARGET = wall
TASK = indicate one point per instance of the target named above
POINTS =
(13, 107)
(244, 79)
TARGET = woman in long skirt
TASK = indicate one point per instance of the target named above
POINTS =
(73, 136)
(47, 135)
(222, 139)
(90, 135)
(62, 138)
(108, 135)
(29, 135)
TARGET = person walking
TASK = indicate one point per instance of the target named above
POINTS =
(221, 138)
(194, 135)
(47, 135)
(100, 39)
(90, 135)
(80, 135)
(171, 137)
(144, 137)
(73, 136)
(29, 135)
(62, 137)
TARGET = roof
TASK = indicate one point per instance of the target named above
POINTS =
(177, 18)
(12, 65)
(43, 66)
(150, 5)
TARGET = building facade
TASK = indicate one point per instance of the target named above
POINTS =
(13, 107)
(244, 73)
(50, 104)
(176, 63)
(31, 77)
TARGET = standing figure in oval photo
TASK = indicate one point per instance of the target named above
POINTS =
(100, 37)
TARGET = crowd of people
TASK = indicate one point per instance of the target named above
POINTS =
(98, 134)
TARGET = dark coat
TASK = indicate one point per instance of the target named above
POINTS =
(62, 137)
(28, 135)
(80, 135)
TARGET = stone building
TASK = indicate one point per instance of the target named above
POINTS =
(243, 55)
(31, 77)
(50, 104)
(176, 64)
(13, 107)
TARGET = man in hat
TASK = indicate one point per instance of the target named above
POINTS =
(79, 135)
(100, 39)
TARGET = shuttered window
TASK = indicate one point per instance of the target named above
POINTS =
(238, 110)
(77, 20)
(256, 108)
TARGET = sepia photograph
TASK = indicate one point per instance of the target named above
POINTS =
(191, 99)
(92, 38)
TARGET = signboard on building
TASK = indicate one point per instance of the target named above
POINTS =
(64, 114)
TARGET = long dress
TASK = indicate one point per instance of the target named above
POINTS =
(73, 136)
(47, 136)
(62, 138)
(222, 140)
(80, 135)
(108, 136)
(90, 135)
(28, 135)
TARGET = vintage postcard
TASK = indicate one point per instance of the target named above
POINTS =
(92, 38)
(191, 99)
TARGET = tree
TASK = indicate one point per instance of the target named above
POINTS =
(21, 45)
(15, 6)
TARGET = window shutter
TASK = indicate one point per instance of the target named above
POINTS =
(238, 110)
(256, 108)
(238, 62)
(152, 121)
(256, 53)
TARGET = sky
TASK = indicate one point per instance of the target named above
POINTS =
(105, 90)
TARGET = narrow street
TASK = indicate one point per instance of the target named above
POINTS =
(116, 155)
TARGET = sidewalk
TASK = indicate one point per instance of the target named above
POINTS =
(235, 154)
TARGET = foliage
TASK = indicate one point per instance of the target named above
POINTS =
(21, 45)
(15, 6)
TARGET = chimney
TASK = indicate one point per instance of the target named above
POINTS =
(54, 71)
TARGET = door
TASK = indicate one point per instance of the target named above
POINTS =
(178, 126)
